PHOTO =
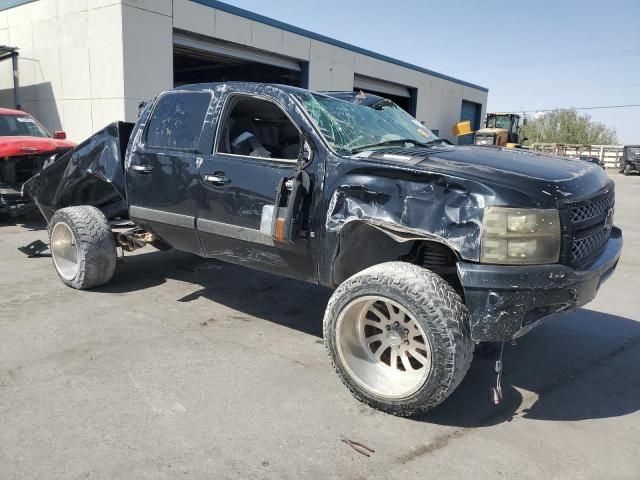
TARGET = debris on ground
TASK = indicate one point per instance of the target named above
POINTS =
(36, 249)
(358, 447)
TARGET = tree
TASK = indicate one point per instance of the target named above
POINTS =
(567, 126)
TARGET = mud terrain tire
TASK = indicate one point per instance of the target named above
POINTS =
(82, 247)
(415, 295)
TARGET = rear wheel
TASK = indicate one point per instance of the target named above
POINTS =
(398, 337)
(82, 247)
(627, 170)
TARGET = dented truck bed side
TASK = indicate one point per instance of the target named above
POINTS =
(90, 174)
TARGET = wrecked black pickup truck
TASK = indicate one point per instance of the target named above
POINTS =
(431, 248)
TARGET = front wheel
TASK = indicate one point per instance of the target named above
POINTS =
(627, 170)
(398, 337)
(82, 247)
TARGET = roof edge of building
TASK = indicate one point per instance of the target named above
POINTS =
(225, 7)
(7, 4)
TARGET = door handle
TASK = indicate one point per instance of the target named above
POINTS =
(218, 179)
(144, 169)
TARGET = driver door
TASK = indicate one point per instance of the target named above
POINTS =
(247, 186)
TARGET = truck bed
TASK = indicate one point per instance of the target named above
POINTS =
(90, 174)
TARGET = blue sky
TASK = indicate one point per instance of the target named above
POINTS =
(531, 55)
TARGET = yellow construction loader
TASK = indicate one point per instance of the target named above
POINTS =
(500, 129)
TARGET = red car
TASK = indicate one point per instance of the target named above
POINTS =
(26, 147)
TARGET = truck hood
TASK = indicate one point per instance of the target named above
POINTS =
(19, 146)
(541, 177)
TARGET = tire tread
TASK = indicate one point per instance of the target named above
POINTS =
(445, 309)
(96, 245)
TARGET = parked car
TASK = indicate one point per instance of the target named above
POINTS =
(594, 160)
(630, 159)
(26, 147)
(430, 248)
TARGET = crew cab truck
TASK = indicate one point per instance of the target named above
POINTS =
(430, 248)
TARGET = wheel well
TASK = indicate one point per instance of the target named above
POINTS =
(96, 192)
(363, 245)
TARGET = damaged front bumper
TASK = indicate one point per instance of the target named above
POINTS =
(13, 203)
(505, 302)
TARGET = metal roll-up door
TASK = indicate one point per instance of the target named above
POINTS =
(217, 48)
(469, 111)
(369, 84)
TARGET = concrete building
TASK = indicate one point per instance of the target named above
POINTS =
(85, 63)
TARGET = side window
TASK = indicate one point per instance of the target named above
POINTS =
(258, 128)
(176, 120)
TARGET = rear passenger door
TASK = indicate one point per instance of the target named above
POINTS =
(162, 175)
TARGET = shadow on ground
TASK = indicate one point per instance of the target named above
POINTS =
(269, 297)
(577, 366)
(32, 222)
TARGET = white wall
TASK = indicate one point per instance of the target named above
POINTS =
(148, 51)
(70, 64)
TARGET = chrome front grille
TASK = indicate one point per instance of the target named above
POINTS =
(590, 227)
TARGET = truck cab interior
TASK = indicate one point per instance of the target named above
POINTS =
(256, 127)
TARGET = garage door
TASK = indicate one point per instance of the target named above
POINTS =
(361, 82)
(470, 111)
(199, 59)
(400, 94)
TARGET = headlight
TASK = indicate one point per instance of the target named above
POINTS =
(520, 236)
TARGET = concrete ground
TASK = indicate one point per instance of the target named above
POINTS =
(186, 368)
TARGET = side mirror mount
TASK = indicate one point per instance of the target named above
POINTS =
(59, 135)
(306, 153)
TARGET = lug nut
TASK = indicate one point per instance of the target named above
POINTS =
(406, 342)
(406, 331)
(388, 327)
(397, 324)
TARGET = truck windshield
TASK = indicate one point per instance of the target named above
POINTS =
(21, 126)
(350, 128)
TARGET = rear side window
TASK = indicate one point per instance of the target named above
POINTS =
(176, 121)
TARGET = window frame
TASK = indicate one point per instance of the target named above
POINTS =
(226, 111)
(147, 126)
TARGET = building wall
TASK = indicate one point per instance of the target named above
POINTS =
(71, 62)
(84, 63)
(330, 67)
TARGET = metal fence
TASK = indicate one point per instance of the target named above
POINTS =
(610, 154)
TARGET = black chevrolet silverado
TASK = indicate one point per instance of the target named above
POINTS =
(431, 248)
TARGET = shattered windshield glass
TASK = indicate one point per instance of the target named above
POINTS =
(351, 128)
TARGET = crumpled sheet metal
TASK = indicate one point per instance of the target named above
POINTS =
(434, 209)
(91, 174)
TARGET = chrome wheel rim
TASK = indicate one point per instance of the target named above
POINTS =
(64, 251)
(382, 347)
